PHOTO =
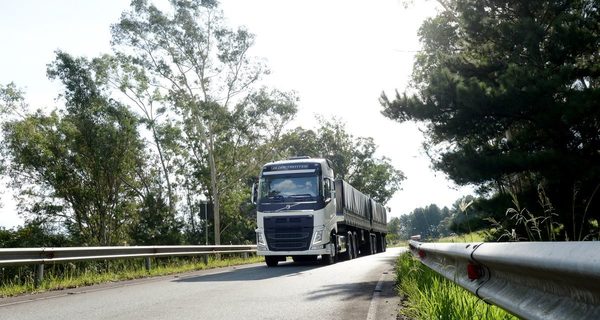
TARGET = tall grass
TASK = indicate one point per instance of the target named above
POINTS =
(72, 275)
(431, 296)
(475, 236)
(522, 225)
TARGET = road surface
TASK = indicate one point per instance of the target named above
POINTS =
(362, 288)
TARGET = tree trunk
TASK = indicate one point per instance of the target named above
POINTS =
(215, 190)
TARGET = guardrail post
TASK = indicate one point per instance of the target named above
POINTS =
(205, 258)
(39, 275)
(148, 264)
(245, 255)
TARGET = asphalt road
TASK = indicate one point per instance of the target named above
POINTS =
(357, 289)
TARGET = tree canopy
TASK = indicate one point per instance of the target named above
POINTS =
(189, 56)
(353, 158)
(172, 122)
(82, 158)
(510, 94)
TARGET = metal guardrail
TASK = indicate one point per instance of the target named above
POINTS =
(532, 280)
(21, 256)
(42, 256)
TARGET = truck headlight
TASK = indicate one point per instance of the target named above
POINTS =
(318, 236)
(259, 239)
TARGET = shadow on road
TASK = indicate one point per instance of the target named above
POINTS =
(352, 291)
(285, 269)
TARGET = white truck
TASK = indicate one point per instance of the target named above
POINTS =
(303, 212)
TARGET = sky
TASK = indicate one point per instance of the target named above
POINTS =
(337, 55)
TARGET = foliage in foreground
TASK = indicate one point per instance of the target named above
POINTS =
(73, 275)
(475, 236)
(431, 296)
(508, 93)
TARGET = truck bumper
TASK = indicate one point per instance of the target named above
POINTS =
(317, 247)
(312, 252)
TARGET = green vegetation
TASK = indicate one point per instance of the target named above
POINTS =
(429, 295)
(353, 158)
(73, 275)
(173, 121)
(464, 217)
(476, 236)
(507, 92)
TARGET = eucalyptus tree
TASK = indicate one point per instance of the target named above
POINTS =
(133, 84)
(12, 106)
(75, 165)
(204, 69)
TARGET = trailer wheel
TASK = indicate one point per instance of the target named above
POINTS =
(349, 247)
(271, 261)
(373, 244)
(355, 245)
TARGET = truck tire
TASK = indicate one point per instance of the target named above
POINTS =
(271, 261)
(355, 244)
(349, 247)
(373, 244)
(327, 259)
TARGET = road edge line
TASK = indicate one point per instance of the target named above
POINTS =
(372, 313)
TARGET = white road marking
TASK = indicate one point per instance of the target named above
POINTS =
(372, 314)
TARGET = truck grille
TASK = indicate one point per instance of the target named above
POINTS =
(292, 233)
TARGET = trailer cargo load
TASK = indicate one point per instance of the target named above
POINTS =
(379, 217)
(353, 205)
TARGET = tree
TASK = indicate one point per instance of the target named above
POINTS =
(204, 69)
(77, 163)
(429, 222)
(509, 93)
(122, 73)
(12, 106)
(33, 234)
(394, 228)
(353, 158)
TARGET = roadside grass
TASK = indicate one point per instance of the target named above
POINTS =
(397, 243)
(475, 236)
(429, 295)
(70, 275)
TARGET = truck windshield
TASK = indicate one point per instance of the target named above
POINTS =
(288, 188)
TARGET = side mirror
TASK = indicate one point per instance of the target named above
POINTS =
(254, 193)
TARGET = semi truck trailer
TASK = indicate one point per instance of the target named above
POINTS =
(304, 213)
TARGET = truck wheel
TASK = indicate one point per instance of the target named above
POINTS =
(355, 244)
(327, 259)
(372, 243)
(271, 261)
(349, 247)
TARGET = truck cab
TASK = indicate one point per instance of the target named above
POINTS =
(296, 213)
